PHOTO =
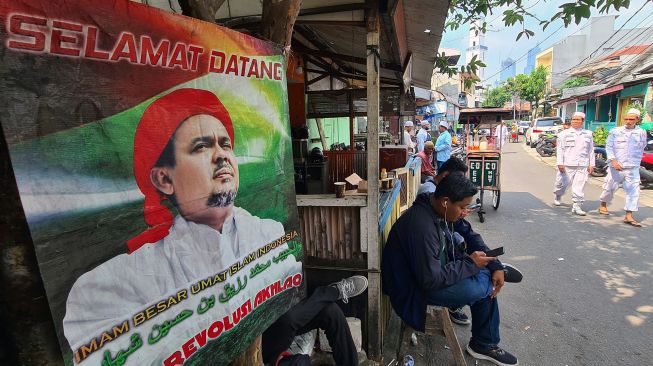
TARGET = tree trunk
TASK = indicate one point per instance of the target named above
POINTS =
(279, 20)
(201, 9)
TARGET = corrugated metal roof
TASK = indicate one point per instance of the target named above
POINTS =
(581, 90)
(630, 50)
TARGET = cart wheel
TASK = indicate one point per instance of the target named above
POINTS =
(496, 198)
(481, 218)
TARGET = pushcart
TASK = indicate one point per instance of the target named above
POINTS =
(484, 151)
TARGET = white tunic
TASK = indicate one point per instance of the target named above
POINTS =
(129, 283)
(626, 146)
(575, 147)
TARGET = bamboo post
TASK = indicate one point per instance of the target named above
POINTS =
(373, 255)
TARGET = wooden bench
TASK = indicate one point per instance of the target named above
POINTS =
(439, 323)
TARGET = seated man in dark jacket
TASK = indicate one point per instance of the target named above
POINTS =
(422, 266)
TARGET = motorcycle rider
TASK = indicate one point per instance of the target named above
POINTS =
(575, 160)
(624, 147)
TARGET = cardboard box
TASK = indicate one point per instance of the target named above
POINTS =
(357, 181)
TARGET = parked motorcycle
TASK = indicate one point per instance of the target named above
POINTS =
(646, 170)
(459, 152)
(546, 145)
(601, 162)
(649, 140)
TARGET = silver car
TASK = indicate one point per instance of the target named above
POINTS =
(542, 125)
(522, 126)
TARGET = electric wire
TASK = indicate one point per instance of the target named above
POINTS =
(609, 38)
(626, 41)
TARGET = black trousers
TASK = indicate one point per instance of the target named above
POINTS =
(317, 311)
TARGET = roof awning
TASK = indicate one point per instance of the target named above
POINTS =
(422, 93)
(610, 90)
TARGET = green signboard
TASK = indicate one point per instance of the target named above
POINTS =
(483, 171)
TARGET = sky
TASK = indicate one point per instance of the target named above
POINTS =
(501, 43)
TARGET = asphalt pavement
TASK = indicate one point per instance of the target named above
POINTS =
(587, 293)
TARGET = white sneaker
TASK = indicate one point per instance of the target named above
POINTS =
(577, 210)
(556, 201)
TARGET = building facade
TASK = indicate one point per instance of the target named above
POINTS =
(508, 69)
(530, 60)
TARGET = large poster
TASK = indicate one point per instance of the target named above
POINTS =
(153, 159)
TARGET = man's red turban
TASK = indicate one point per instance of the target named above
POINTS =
(158, 124)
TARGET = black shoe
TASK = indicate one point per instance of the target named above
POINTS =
(457, 316)
(511, 273)
(496, 355)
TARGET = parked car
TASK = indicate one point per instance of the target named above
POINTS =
(522, 126)
(544, 124)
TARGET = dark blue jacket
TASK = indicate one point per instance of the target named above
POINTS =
(411, 265)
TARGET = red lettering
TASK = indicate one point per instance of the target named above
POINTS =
(148, 56)
(261, 296)
(201, 338)
(214, 56)
(237, 315)
(90, 50)
(287, 283)
(215, 329)
(59, 38)
(227, 323)
(297, 280)
(232, 66)
(246, 308)
(278, 75)
(195, 53)
(179, 57)
(266, 68)
(276, 288)
(253, 69)
(174, 359)
(125, 40)
(243, 63)
(189, 348)
(16, 27)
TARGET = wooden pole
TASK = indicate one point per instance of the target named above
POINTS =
(374, 248)
(320, 130)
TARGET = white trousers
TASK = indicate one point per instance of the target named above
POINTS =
(577, 177)
(628, 179)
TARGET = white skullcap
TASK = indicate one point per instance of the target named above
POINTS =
(634, 111)
(444, 124)
(578, 114)
(425, 123)
(408, 124)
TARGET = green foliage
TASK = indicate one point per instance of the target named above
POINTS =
(639, 107)
(497, 97)
(600, 135)
(575, 82)
(530, 87)
(463, 12)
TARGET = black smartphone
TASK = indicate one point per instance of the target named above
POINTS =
(494, 252)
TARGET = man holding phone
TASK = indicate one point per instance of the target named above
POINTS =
(423, 263)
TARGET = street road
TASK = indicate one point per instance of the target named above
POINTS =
(587, 294)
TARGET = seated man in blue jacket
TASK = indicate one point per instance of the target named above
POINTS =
(461, 227)
(421, 265)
